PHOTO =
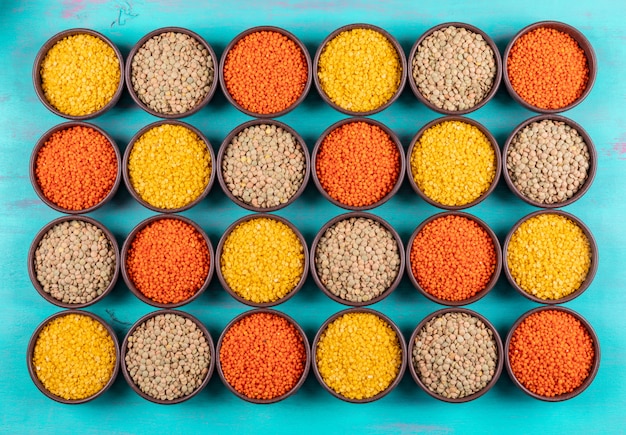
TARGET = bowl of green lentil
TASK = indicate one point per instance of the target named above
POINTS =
(346, 62)
(171, 72)
(73, 357)
(550, 257)
(78, 74)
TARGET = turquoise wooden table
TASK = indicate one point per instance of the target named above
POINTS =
(26, 25)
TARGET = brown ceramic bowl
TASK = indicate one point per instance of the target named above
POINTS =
(393, 326)
(401, 59)
(140, 322)
(42, 141)
(591, 172)
(124, 257)
(31, 352)
(285, 33)
(496, 80)
(595, 364)
(44, 51)
(129, 68)
(31, 261)
(490, 137)
(332, 295)
(496, 338)
(494, 276)
(126, 174)
(227, 142)
(391, 135)
(307, 351)
(582, 42)
(590, 274)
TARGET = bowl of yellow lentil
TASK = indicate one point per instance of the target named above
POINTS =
(73, 356)
(168, 166)
(550, 257)
(346, 63)
(78, 74)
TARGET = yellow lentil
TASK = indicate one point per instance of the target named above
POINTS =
(169, 166)
(549, 256)
(262, 260)
(453, 163)
(80, 75)
(74, 356)
(359, 70)
(358, 355)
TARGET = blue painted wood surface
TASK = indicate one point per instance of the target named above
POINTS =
(26, 25)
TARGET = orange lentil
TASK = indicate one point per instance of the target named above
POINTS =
(76, 168)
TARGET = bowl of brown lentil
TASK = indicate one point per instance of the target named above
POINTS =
(456, 68)
(73, 357)
(348, 59)
(357, 259)
(170, 72)
(552, 353)
(550, 161)
(263, 165)
(73, 261)
(550, 257)
(455, 355)
(453, 162)
(549, 67)
(78, 74)
(168, 357)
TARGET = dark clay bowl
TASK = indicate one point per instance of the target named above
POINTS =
(496, 338)
(35, 244)
(393, 326)
(590, 274)
(42, 141)
(44, 51)
(595, 364)
(31, 352)
(307, 351)
(340, 218)
(135, 96)
(401, 58)
(494, 145)
(126, 174)
(582, 42)
(228, 141)
(494, 277)
(140, 322)
(290, 36)
(593, 161)
(124, 257)
(391, 135)
(496, 80)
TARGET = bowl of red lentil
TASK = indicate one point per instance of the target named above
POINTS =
(552, 353)
(348, 59)
(454, 258)
(263, 165)
(168, 166)
(453, 162)
(265, 72)
(75, 167)
(550, 161)
(78, 74)
(263, 356)
(549, 67)
(73, 357)
(550, 257)
(171, 72)
(358, 163)
(455, 355)
(168, 357)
